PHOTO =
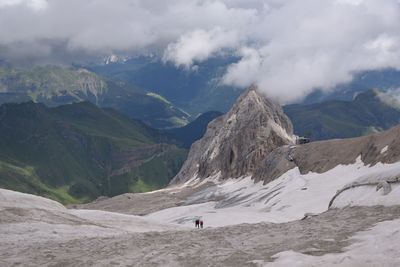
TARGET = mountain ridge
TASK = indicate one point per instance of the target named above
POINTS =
(367, 113)
(77, 152)
(57, 85)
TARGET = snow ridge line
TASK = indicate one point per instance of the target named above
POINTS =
(354, 185)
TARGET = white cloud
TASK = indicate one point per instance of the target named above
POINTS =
(246, 71)
(319, 44)
(287, 47)
(199, 45)
(33, 4)
(390, 97)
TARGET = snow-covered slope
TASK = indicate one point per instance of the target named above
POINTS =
(378, 246)
(28, 213)
(12, 199)
(290, 197)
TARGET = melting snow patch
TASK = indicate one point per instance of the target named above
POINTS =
(384, 150)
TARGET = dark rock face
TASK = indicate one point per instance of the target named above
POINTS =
(236, 143)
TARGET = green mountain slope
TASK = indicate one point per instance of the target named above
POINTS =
(77, 152)
(55, 85)
(341, 119)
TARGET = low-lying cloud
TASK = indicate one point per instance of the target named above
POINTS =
(287, 47)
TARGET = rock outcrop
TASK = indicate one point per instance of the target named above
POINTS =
(235, 143)
(322, 156)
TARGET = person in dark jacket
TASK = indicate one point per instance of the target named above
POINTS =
(197, 223)
(201, 224)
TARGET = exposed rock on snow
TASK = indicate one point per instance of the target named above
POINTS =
(234, 144)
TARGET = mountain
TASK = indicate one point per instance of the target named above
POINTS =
(384, 79)
(248, 169)
(370, 111)
(234, 143)
(77, 152)
(56, 85)
(193, 131)
(196, 91)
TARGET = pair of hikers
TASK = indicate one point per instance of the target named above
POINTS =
(198, 223)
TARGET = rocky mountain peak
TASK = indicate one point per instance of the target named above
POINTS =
(236, 142)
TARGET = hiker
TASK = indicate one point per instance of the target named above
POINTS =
(201, 224)
(197, 223)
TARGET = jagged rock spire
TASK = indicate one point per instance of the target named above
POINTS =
(236, 142)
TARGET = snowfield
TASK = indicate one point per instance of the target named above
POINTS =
(290, 197)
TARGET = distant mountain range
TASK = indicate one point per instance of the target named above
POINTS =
(196, 91)
(77, 152)
(200, 90)
(384, 79)
(370, 111)
(55, 85)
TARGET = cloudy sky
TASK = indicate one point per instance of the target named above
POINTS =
(287, 47)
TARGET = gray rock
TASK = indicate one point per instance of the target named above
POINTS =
(387, 188)
(235, 143)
